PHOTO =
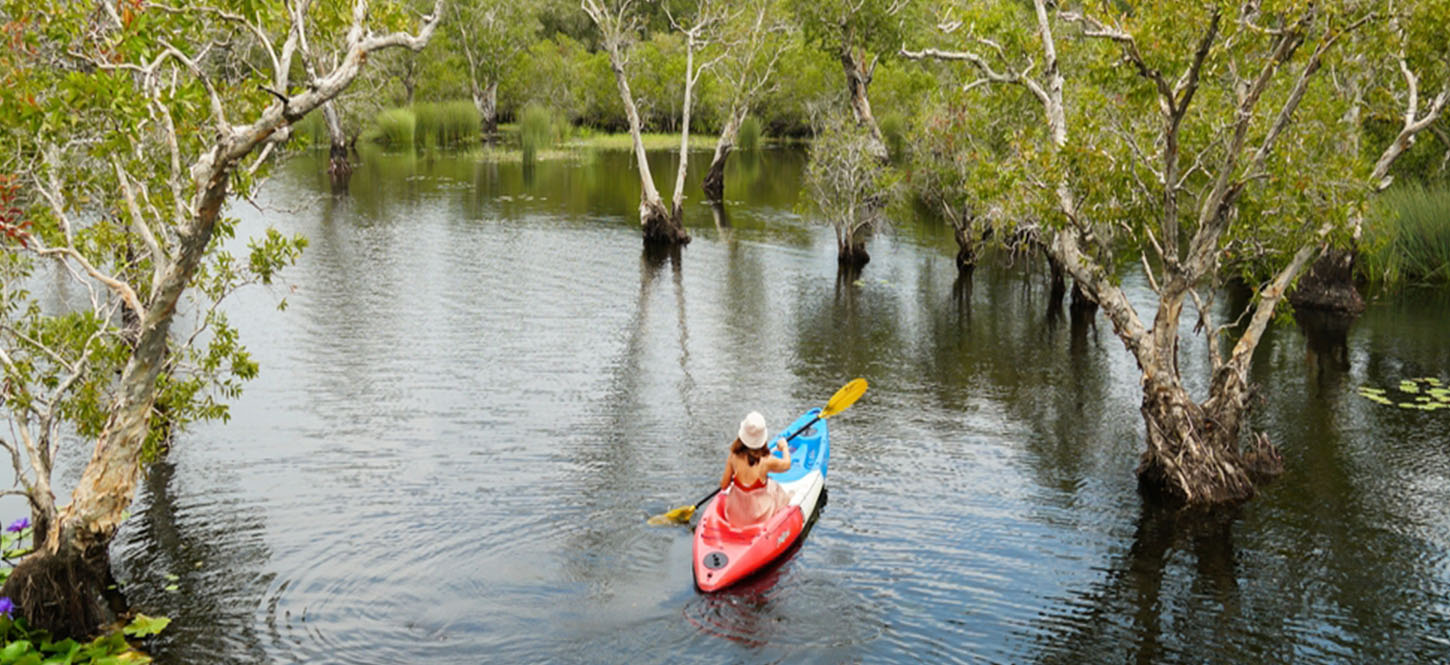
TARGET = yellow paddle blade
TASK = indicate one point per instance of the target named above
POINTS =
(844, 398)
(679, 515)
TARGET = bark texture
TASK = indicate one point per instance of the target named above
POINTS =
(714, 183)
(485, 99)
(339, 169)
(858, 85)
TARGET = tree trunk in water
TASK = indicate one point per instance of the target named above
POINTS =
(486, 101)
(852, 251)
(657, 224)
(1058, 282)
(1193, 454)
(714, 184)
(660, 227)
(339, 170)
(59, 587)
(1329, 285)
(858, 83)
(966, 249)
(1079, 301)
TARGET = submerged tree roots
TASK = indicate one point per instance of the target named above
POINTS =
(62, 593)
(1194, 457)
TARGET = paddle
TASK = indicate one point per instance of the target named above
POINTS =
(843, 399)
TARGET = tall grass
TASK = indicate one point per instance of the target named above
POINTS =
(425, 125)
(749, 136)
(536, 130)
(395, 128)
(445, 124)
(1407, 237)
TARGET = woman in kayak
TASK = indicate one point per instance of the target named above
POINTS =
(755, 497)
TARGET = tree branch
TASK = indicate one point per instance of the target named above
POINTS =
(159, 260)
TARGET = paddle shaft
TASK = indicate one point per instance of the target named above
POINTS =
(803, 428)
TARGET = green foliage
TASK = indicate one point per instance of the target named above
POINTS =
(893, 131)
(749, 134)
(847, 186)
(810, 79)
(311, 131)
(1407, 237)
(28, 646)
(488, 33)
(875, 26)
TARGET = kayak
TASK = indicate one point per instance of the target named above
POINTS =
(725, 553)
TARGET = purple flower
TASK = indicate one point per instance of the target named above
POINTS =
(16, 527)
(6, 606)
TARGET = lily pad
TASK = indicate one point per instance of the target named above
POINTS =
(143, 626)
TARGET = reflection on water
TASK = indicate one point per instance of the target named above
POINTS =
(483, 385)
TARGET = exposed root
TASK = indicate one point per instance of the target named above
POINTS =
(61, 593)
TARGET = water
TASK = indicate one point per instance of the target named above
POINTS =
(482, 386)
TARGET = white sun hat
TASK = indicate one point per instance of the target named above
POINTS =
(752, 430)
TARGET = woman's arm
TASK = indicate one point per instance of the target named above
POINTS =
(725, 478)
(781, 463)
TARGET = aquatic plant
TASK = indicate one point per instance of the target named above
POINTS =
(23, 644)
(12, 545)
(1425, 394)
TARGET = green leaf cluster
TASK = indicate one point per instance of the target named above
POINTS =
(28, 646)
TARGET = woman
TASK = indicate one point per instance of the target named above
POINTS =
(755, 497)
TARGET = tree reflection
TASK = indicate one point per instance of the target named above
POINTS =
(215, 565)
(1138, 614)
(1326, 351)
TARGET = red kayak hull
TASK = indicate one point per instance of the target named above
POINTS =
(725, 554)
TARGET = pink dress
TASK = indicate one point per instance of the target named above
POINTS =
(745, 506)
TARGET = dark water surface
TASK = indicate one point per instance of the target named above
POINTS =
(482, 386)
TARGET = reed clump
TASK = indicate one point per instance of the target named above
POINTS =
(536, 130)
(425, 125)
(1407, 237)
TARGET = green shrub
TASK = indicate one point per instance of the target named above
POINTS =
(1407, 237)
(749, 136)
(536, 130)
(395, 128)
